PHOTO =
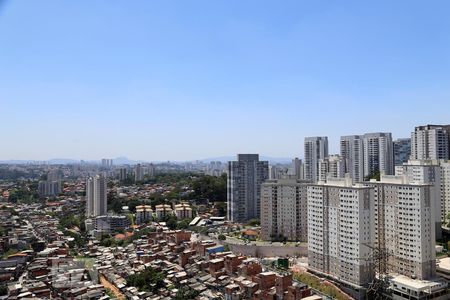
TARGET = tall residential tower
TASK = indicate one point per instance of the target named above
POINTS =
(245, 177)
(430, 142)
(316, 148)
(96, 198)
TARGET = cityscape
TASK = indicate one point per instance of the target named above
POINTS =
(224, 150)
(371, 222)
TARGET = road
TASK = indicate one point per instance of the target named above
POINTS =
(113, 288)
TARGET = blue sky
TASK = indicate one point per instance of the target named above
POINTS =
(181, 80)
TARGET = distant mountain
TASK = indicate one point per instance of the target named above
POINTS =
(279, 160)
(125, 161)
(54, 161)
(62, 161)
(15, 161)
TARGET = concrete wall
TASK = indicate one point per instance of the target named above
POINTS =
(269, 250)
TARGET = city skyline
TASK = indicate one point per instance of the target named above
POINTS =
(175, 81)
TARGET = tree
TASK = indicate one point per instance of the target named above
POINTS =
(185, 293)
(3, 290)
(222, 237)
(171, 221)
(374, 175)
(254, 222)
(147, 280)
(210, 187)
(184, 224)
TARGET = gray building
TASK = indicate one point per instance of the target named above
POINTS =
(402, 151)
(378, 153)
(352, 152)
(52, 186)
(368, 154)
(316, 148)
(122, 173)
(298, 169)
(111, 223)
(49, 188)
(430, 142)
(245, 177)
(138, 173)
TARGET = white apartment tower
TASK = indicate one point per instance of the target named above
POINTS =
(430, 142)
(316, 148)
(445, 189)
(367, 154)
(405, 226)
(284, 210)
(378, 153)
(245, 177)
(96, 197)
(341, 231)
(331, 166)
(428, 172)
(352, 152)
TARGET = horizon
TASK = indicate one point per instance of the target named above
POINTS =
(177, 81)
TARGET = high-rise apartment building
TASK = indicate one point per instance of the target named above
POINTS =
(405, 226)
(378, 153)
(245, 177)
(352, 152)
(341, 231)
(284, 210)
(49, 188)
(402, 151)
(53, 175)
(445, 189)
(122, 173)
(151, 170)
(107, 162)
(138, 173)
(430, 142)
(428, 172)
(316, 148)
(278, 172)
(96, 196)
(298, 170)
(331, 166)
(368, 154)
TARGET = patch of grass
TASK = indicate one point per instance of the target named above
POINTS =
(317, 284)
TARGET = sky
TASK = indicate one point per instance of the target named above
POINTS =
(183, 80)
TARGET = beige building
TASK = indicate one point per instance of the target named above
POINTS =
(144, 213)
(284, 210)
(341, 231)
(162, 211)
(430, 172)
(331, 166)
(405, 226)
(183, 211)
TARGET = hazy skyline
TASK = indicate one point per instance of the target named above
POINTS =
(184, 80)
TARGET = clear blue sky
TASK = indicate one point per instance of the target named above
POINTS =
(181, 80)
